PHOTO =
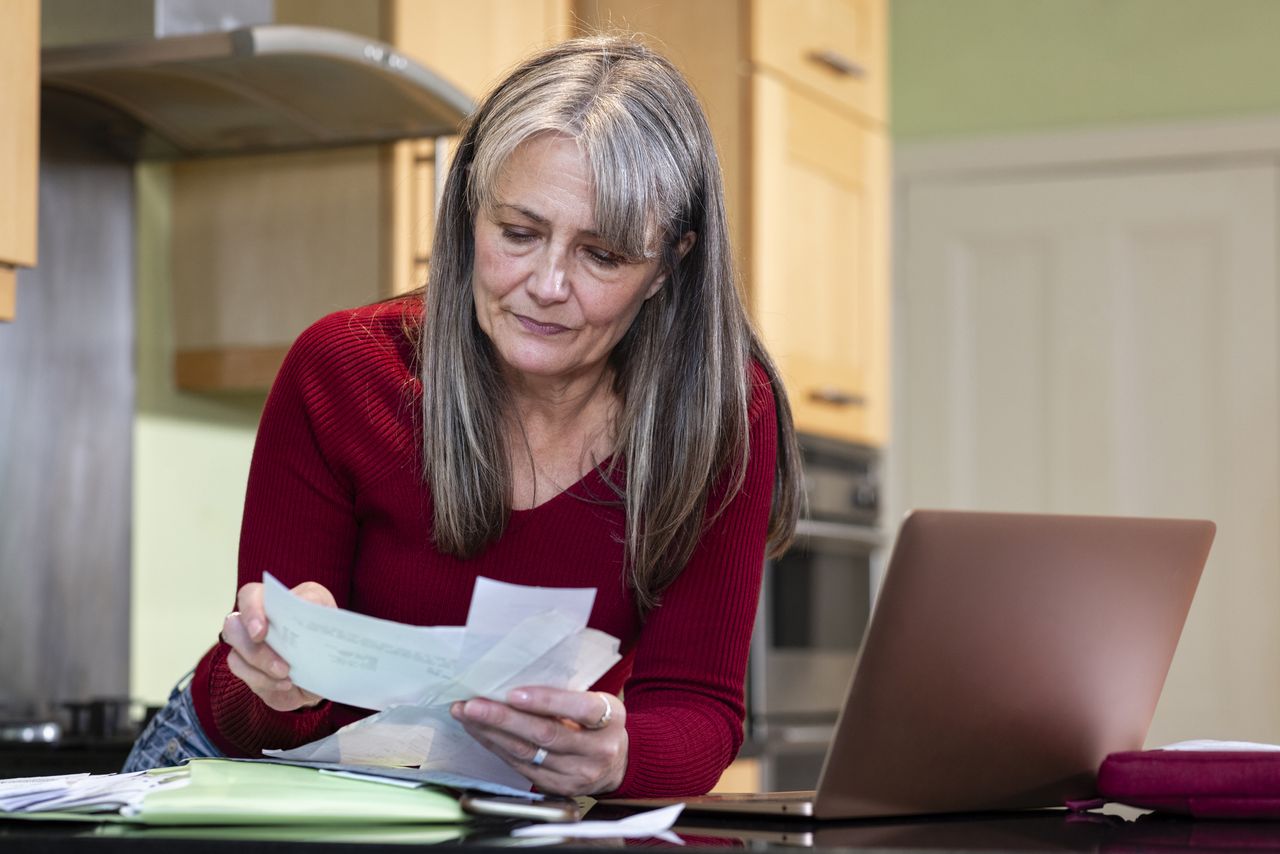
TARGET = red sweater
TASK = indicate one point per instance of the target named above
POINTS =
(336, 495)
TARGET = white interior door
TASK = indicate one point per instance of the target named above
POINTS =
(1107, 343)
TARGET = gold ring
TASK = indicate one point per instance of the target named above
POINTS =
(606, 715)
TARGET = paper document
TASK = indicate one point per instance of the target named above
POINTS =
(515, 635)
(1233, 746)
(652, 823)
(82, 793)
(353, 658)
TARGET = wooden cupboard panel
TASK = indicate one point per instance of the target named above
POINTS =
(742, 775)
(834, 48)
(265, 245)
(238, 369)
(413, 194)
(473, 44)
(364, 17)
(8, 292)
(819, 260)
(19, 129)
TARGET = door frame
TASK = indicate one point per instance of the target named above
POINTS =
(1199, 141)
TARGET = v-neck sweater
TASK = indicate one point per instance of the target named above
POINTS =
(336, 495)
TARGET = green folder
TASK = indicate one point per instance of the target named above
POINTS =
(226, 792)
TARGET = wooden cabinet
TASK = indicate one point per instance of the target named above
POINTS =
(834, 49)
(19, 143)
(795, 92)
(818, 259)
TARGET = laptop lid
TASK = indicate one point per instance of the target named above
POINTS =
(1007, 655)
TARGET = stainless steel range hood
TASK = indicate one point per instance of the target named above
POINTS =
(250, 90)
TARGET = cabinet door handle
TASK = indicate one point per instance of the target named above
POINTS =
(837, 62)
(836, 397)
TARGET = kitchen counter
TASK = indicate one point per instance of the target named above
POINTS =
(1048, 830)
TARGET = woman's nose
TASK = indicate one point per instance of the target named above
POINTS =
(549, 283)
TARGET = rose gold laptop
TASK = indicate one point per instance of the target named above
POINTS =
(1008, 654)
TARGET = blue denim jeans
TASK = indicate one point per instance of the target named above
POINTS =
(173, 736)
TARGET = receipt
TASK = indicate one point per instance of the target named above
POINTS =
(652, 823)
(353, 658)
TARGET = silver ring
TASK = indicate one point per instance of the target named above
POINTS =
(539, 756)
(606, 715)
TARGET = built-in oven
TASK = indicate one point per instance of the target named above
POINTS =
(814, 608)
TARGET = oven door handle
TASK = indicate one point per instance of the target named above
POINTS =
(858, 534)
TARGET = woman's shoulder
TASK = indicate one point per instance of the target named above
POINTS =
(366, 342)
(761, 400)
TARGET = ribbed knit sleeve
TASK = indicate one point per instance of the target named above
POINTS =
(333, 409)
(685, 695)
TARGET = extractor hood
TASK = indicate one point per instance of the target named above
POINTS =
(250, 90)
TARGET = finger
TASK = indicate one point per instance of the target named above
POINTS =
(259, 682)
(258, 655)
(538, 730)
(252, 612)
(516, 753)
(585, 708)
(308, 698)
(557, 774)
(314, 591)
(560, 772)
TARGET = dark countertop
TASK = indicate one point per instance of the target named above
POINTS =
(1048, 830)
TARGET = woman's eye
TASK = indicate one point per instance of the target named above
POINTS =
(605, 258)
(518, 235)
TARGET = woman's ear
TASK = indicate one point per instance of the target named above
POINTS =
(686, 243)
(682, 249)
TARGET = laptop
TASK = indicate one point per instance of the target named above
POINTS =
(1007, 655)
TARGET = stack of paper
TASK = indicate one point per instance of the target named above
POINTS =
(79, 793)
(224, 791)
(515, 635)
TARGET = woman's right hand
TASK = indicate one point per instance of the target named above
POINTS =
(253, 661)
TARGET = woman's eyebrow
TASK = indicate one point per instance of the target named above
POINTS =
(542, 220)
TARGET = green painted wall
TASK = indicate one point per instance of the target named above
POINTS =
(191, 462)
(969, 67)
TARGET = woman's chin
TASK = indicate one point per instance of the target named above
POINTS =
(539, 366)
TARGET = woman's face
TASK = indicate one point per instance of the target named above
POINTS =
(549, 292)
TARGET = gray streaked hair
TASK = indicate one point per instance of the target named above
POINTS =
(682, 371)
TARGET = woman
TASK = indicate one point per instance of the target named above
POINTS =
(581, 403)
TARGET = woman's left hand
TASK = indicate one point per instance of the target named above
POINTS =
(566, 742)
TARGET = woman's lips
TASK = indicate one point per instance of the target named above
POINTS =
(540, 328)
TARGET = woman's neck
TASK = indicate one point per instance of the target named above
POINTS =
(557, 433)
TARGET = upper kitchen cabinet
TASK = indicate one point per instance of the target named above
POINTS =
(819, 259)
(834, 49)
(795, 92)
(19, 143)
(265, 244)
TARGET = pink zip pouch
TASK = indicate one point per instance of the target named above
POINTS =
(1241, 782)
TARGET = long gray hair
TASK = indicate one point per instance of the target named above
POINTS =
(682, 371)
